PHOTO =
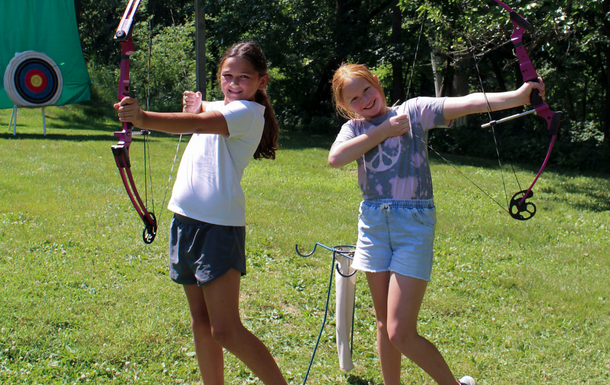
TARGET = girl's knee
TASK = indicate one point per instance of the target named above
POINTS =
(402, 337)
(227, 334)
(382, 325)
(200, 321)
(202, 331)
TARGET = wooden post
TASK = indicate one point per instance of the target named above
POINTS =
(200, 45)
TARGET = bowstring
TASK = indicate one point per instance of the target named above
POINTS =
(493, 130)
(146, 142)
(421, 30)
(185, 73)
(471, 49)
(148, 172)
(461, 173)
(492, 126)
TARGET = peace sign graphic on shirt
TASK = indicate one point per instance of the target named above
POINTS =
(386, 155)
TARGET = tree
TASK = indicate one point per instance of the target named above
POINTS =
(306, 40)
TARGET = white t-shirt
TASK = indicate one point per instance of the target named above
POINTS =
(208, 184)
(398, 167)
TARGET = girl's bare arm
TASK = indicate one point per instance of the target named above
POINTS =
(346, 152)
(476, 103)
(212, 122)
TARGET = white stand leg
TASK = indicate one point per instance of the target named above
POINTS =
(13, 116)
(345, 291)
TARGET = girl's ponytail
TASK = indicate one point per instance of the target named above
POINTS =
(271, 132)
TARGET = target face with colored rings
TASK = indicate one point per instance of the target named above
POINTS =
(32, 79)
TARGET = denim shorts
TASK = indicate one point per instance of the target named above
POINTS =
(396, 235)
(200, 252)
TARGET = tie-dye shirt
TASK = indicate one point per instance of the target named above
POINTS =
(398, 167)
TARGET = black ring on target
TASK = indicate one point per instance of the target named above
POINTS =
(36, 81)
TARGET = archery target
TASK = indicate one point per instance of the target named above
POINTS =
(32, 79)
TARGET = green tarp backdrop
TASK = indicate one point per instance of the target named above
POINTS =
(47, 27)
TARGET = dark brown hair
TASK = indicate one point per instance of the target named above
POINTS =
(251, 52)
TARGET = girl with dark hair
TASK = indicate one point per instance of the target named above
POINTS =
(207, 235)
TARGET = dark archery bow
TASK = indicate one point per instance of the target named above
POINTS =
(121, 149)
(519, 207)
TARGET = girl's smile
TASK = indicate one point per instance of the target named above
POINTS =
(239, 80)
(361, 97)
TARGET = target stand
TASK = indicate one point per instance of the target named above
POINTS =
(32, 80)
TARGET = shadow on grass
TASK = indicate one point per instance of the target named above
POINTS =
(94, 112)
(353, 380)
(92, 115)
(74, 137)
(72, 123)
(301, 141)
(597, 196)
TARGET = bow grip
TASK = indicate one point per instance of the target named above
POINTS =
(535, 99)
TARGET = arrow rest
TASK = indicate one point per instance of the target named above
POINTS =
(519, 208)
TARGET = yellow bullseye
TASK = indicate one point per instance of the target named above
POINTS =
(36, 81)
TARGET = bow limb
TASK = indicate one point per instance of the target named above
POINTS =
(519, 207)
(121, 149)
(121, 157)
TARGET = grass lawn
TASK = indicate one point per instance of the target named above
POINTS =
(83, 299)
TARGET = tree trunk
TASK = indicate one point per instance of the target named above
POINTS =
(341, 31)
(498, 73)
(460, 84)
(584, 103)
(460, 76)
(200, 72)
(437, 61)
(605, 68)
(350, 21)
(447, 86)
(398, 93)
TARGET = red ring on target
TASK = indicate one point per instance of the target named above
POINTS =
(32, 79)
(36, 81)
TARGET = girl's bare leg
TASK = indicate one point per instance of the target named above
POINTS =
(209, 352)
(405, 296)
(389, 356)
(222, 301)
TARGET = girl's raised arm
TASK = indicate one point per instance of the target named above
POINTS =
(346, 152)
(212, 122)
(476, 103)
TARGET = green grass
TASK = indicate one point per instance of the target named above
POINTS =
(83, 299)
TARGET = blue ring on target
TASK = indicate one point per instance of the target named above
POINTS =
(44, 73)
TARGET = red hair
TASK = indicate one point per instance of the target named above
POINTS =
(342, 76)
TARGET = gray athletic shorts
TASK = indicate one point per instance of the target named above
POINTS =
(200, 252)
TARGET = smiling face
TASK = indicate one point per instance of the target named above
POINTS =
(361, 97)
(239, 80)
